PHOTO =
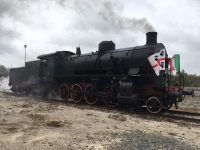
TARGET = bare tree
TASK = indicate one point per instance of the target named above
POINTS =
(3, 72)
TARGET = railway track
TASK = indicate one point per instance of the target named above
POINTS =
(192, 117)
(184, 113)
(170, 115)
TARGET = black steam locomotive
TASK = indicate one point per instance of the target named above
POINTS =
(115, 76)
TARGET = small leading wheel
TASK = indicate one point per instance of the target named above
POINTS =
(64, 92)
(75, 93)
(154, 105)
(111, 100)
(89, 98)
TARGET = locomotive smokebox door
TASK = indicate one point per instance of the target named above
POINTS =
(126, 94)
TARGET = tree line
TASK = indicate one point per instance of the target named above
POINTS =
(189, 79)
(4, 72)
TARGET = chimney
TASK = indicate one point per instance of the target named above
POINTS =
(151, 38)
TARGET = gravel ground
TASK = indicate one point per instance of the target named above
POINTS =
(191, 103)
(32, 123)
(140, 141)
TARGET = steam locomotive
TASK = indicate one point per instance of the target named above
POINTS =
(115, 76)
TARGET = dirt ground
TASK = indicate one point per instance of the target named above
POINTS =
(33, 123)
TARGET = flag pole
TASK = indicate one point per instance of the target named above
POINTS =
(177, 63)
(170, 71)
(25, 52)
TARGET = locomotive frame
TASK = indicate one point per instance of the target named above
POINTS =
(114, 76)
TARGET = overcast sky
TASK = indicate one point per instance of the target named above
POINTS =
(46, 26)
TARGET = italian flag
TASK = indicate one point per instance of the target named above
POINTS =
(174, 62)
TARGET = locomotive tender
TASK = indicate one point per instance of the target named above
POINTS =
(116, 76)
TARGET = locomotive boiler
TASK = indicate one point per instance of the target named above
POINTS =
(115, 76)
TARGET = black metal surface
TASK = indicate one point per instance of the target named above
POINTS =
(189, 93)
(32, 72)
(126, 94)
(16, 75)
(151, 38)
(59, 53)
(105, 46)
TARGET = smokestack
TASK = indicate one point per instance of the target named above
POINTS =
(151, 38)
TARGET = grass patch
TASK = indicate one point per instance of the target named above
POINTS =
(56, 124)
(26, 105)
(183, 123)
(12, 129)
(38, 118)
(89, 114)
(172, 133)
(30, 129)
(118, 117)
(89, 137)
(3, 96)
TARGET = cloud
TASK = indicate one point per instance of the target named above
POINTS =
(13, 8)
(7, 35)
(8, 32)
(90, 25)
(51, 25)
(109, 14)
(5, 7)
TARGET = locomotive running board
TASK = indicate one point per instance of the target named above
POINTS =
(114, 75)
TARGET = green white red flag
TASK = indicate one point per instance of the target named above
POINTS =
(174, 62)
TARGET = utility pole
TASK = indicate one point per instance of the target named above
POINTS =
(25, 52)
